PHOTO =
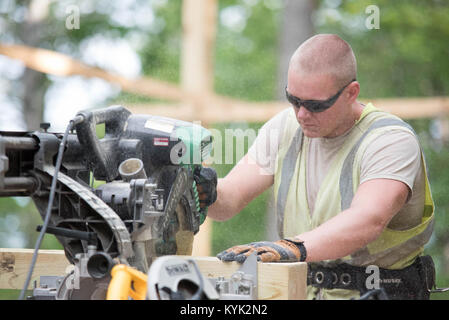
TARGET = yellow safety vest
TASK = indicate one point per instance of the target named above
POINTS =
(393, 249)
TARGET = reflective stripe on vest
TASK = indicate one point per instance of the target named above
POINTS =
(394, 249)
(405, 248)
(346, 181)
(288, 168)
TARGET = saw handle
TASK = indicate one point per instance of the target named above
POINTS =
(127, 282)
(101, 158)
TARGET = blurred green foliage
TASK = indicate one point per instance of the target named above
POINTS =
(250, 224)
(252, 47)
(406, 56)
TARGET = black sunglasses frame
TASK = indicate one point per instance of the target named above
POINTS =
(315, 105)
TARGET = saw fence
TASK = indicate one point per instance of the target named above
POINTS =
(276, 281)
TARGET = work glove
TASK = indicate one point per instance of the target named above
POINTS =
(285, 250)
(206, 181)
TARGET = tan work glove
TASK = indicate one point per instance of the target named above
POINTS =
(285, 250)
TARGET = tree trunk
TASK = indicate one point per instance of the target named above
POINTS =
(34, 83)
(34, 88)
(296, 27)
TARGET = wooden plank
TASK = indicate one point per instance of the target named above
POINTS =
(59, 64)
(229, 110)
(218, 108)
(276, 281)
(286, 281)
(15, 263)
(414, 108)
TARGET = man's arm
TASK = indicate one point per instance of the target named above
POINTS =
(245, 182)
(374, 205)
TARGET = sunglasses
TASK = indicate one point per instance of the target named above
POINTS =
(315, 105)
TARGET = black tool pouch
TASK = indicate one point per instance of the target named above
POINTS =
(414, 282)
(427, 269)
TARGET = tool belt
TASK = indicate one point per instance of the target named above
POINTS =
(412, 282)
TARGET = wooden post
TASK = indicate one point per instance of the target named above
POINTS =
(197, 75)
(199, 28)
(202, 240)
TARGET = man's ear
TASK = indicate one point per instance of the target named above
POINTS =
(353, 92)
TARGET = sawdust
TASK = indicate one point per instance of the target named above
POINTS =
(7, 262)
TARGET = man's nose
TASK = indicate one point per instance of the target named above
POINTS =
(302, 113)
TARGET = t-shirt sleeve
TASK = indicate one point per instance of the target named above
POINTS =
(395, 155)
(266, 145)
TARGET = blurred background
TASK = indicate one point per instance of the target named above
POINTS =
(231, 56)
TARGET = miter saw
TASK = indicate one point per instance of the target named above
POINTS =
(126, 198)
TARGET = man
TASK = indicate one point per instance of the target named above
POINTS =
(350, 183)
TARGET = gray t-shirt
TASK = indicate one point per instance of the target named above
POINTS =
(394, 155)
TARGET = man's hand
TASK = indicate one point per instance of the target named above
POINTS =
(285, 250)
(206, 181)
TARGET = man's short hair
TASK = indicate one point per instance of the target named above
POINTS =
(326, 54)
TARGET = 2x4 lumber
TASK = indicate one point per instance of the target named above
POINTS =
(58, 64)
(414, 108)
(219, 109)
(286, 281)
(275, 281)
(15, 263)
(229, 110)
